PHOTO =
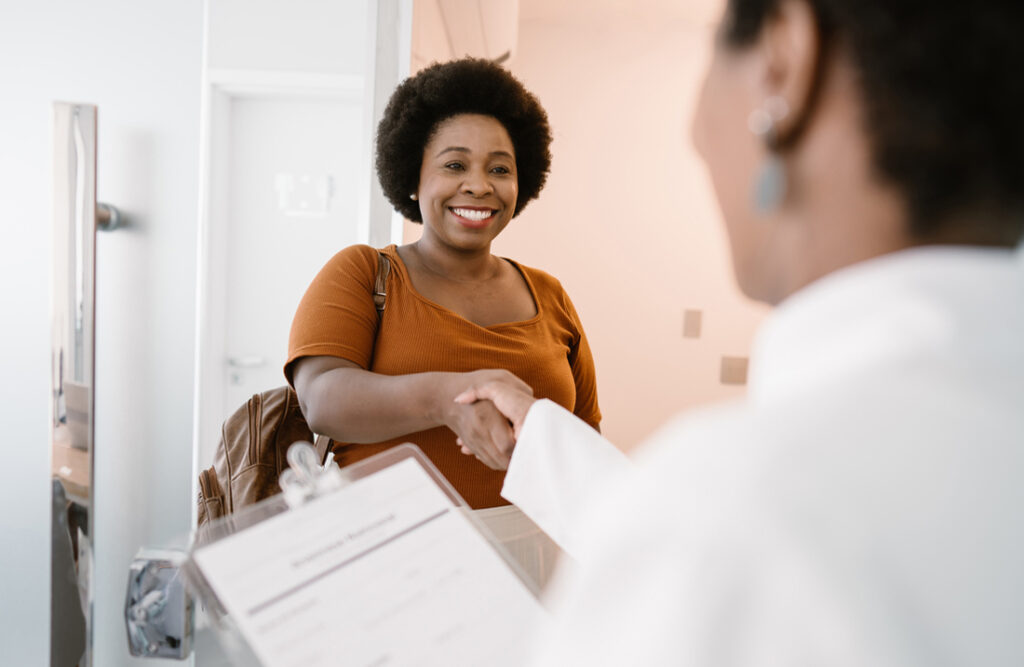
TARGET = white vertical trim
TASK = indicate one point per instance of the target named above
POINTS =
(210, 408)
(202, 258)
(405, 12)
(387, 64)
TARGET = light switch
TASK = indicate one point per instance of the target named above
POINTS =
(734, 370)
(691, 323)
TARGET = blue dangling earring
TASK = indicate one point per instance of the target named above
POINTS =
(771, 183)
(770, 186)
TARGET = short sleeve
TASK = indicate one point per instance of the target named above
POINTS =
(584, 375)
(337, 317)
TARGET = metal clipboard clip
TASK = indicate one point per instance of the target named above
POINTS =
(305, 479)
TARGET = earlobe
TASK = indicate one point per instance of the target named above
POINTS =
(792, 51)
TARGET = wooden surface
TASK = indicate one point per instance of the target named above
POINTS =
(71, 467)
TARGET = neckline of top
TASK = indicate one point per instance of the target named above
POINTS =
(396, 258)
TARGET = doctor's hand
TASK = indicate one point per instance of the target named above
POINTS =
(510, 395)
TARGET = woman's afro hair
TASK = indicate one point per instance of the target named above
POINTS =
(443, 90)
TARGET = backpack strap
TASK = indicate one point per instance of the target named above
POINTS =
(380, 287)
(323, 446)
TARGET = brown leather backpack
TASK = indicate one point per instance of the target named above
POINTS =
(254, 441)
(251, 453)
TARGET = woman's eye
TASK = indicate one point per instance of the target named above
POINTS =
(501, 170)
(454, 165)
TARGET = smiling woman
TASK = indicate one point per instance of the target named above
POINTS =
(462, 148)
(468, 186)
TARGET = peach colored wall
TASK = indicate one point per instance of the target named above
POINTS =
(628, 221)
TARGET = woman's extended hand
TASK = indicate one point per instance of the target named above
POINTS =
(510, 395)
(482, 429)
(483, 432)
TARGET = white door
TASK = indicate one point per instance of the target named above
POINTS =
(292, 95)
(292, 203)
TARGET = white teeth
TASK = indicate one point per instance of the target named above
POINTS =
(472, 214)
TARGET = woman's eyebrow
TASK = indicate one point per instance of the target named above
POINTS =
(455, 149)
(463, 149)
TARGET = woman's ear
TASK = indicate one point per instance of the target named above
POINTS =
(791, 49)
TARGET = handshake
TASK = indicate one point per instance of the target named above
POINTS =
(487, 414)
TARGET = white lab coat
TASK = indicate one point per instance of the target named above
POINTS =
(863, 505)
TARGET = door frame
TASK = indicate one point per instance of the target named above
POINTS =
(225, 87)
(386, 64)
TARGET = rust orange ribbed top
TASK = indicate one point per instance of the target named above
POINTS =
(336, 317)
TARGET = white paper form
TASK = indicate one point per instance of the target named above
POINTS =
(385, 571)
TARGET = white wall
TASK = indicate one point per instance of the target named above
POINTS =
(324, 36)
(140, 62)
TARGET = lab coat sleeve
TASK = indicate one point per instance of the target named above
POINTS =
(559, 468)
(692, 561)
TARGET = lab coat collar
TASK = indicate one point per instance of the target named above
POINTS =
(898, 306)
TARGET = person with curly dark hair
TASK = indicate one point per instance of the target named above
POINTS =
(861, 505)
(462, 148)
(463, 87)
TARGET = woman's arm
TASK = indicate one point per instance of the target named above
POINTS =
(347, 403)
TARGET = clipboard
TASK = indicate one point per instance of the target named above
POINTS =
(381, 562)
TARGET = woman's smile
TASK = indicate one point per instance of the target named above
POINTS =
(474, 217)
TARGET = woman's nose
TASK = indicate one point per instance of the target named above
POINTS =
(476, 183)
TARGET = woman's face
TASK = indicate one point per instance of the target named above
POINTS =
(468, 182)
(733, 154)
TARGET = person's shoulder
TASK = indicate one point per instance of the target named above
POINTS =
(550, 292)
(741, 457)
(358, 259)
(359, 252)
(542, 280)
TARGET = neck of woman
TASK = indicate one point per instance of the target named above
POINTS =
(456, 265)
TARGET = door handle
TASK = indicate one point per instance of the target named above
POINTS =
(108, 217)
